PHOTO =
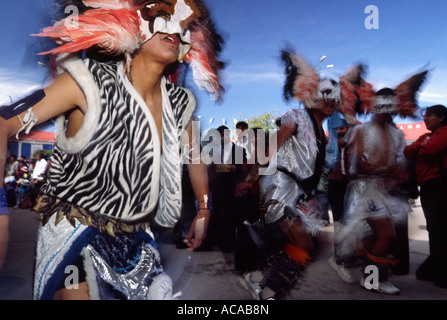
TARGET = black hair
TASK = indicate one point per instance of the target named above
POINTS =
(221, 129)
(344, 123)
(440, 111)
(385, 92)
(242, 124)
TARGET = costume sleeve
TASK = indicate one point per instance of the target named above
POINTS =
(436, 144)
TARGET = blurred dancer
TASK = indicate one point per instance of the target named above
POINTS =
(284, 234)
(373, 202)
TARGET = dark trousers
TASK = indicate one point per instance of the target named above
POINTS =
(400, 249)
(336, 198)
(434, 205)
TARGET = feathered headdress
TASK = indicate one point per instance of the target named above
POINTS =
(303, 83)
(122, 26)
(301, 79)
(356, 94)
(401, 100)
(406, 94)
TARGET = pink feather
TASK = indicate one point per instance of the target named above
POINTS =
(116, 31)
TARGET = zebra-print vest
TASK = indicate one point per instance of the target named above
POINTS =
(114, 166)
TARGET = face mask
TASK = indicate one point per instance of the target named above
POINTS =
(384, 104)
(170, 18)
(329, 90)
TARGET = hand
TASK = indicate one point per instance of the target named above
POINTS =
(242, 189)
(198, 229)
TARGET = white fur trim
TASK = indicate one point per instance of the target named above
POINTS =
(90, 277)
(80, 73)
(161, 288)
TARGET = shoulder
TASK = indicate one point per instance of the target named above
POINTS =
(397, 131)
(292, 118)
(442, 131)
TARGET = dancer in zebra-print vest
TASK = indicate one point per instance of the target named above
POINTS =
(124, 128)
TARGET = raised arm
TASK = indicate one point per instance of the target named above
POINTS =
(59, 97)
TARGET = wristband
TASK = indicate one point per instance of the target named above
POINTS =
(208, 203)
(9, 111)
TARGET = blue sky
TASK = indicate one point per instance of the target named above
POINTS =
(411, 34)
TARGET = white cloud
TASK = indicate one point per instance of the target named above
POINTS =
(14, 85)
(433, 91)
(254, 73)
(249, 77)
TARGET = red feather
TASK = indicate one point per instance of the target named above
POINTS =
(303, 81)
(356, 94)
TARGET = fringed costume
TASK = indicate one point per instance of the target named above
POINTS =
(377, 168)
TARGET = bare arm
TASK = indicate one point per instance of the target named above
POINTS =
(61, 96)
(199, 180)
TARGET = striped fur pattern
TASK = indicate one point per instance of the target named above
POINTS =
(119, 171)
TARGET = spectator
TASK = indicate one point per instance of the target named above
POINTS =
(243, 139)
(224, 177)
(337, 184)
(12, 167)
(40, 169)
(430, 154)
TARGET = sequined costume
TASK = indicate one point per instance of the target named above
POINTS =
(374, 150)
(294, 172)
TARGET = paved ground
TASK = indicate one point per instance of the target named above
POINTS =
(210, 275)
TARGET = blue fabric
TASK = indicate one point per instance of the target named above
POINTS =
(70, 258)
(3, 203)
(128, 242)
(332, 153)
